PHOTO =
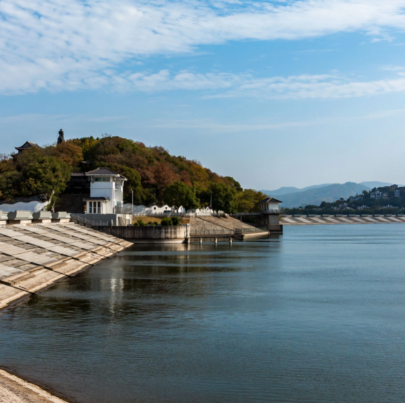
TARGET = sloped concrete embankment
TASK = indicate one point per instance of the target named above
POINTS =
(33, 257)
(331, 220)
(224, 224)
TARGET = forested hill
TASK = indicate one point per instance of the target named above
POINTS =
(153, 174)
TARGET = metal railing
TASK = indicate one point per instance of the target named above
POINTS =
(77, 219)
(122, 210)
(173, 214)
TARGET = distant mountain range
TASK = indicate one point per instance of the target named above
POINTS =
(315, 195)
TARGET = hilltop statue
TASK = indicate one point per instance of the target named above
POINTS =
(61, 139)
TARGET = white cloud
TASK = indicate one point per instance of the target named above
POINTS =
(60, 44)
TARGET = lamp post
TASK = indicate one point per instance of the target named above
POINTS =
(132, 210)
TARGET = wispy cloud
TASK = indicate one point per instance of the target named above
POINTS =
(56, 44)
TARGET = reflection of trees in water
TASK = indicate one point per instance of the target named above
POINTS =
(153, 281)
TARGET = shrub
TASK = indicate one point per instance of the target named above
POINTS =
(166, 222)
(175, 220)
(140, 223)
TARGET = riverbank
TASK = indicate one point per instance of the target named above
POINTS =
(16, 390)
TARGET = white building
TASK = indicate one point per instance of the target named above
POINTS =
(376, 195)
(106, 192)
(270, 205)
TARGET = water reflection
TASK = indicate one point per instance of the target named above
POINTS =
(311, 316)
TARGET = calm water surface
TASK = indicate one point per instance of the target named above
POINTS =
(315, 315)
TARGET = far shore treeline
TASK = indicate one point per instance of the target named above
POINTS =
(391, 201)
(153, 174)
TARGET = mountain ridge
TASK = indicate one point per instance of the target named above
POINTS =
(315, 195)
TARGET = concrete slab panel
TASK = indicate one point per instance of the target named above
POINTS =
(305, 221)
(10, 233)
(88, 238)
(7, 271)
(64, 251)
(332, 220)
(93, 233)
(64, 239)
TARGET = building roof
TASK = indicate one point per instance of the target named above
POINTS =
(96, 198)
(270, 200)
(102, 171)
(27, 145)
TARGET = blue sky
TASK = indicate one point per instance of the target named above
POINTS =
(276, 93)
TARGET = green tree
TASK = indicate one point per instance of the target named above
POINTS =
(166, 222)
(234, 184)
(38, 173)
(223, 198)
(248, 200)
(175, 220)
(179, 194)
(10, 184)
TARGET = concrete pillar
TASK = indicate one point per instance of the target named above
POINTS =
(200, 240)
(230, 241)
(215, 241)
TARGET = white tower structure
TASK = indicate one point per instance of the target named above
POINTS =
(106, 191)
(270, 205)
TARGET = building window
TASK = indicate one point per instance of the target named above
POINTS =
(102, 179)
(94, 207)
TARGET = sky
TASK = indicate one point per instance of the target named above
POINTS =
(272, 93)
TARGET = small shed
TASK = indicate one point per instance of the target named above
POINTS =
(270, 205)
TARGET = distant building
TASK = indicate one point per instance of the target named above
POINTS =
(376, 195)
(26, 146)
(106, 192)
(397, 193)
(270, 205)
(362, 207)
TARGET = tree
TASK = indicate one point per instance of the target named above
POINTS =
(179, 194)
(223, 198)
(67, 152)
(164, 177)
(166, 222)
(234, 184)
(43, 176)
(248, 200)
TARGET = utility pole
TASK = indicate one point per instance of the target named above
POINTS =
(132, 210)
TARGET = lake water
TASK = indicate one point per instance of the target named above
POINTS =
(314, 315)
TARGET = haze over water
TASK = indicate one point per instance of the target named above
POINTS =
(315, 315)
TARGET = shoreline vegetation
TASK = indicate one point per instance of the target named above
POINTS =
(14, 389)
